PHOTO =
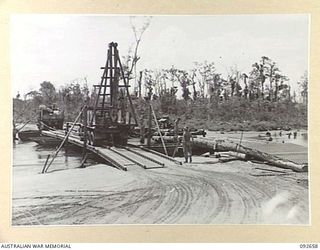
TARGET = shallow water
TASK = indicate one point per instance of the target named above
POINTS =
(301, 139)
(32, 156)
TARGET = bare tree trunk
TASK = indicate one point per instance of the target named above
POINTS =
(140, 82)
(194, 91)
(276, 91)
(270, 80)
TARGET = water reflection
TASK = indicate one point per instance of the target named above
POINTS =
(33, 156)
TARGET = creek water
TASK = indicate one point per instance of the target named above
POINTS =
(301, 138)
(32, 156)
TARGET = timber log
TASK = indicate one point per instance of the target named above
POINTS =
(224, 145)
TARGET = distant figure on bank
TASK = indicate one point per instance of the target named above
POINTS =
(187, 140)
(289, 135)
(270, 138)
(268, 134)
(295, 134)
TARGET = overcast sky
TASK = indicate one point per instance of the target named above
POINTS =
(61, 48)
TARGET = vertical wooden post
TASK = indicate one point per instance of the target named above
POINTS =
(142, 131)
(149, 126)
(139, 82)
(149, 117)
(85, 125)
(67, 131)
(176, 136)
(67, 128)
(176, 129)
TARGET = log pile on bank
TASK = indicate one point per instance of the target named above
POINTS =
(251, 154)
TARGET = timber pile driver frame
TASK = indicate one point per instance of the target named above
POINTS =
(109, 120)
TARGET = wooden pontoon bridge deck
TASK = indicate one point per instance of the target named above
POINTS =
(124, 158)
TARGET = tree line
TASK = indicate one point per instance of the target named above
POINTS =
(260, 99)
(69, 98)
(265, 81)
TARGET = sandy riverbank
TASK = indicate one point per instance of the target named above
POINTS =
(204, 192)
(201, 192)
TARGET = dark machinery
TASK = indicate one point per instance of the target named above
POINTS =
(50, 118)
(112, 115)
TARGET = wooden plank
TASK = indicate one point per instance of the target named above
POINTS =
(156, 153)
(145, 156)
(129, 158)
(118, 157)
(139, 159)
(105, 153)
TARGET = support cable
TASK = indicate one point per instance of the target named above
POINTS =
(162, 140)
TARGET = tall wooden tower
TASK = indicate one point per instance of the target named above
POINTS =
(112, 115)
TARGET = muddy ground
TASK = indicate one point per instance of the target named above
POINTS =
(202, 192)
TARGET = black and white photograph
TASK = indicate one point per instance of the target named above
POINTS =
(159, 120)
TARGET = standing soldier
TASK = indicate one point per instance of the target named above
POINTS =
(187, 144)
